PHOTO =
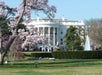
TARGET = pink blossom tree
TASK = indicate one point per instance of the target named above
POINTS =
(13, 42)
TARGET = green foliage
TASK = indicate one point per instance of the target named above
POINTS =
(41, 55)
(38, 54)
(4, 27)
(20, 26)
(77, 54)
(73, 39)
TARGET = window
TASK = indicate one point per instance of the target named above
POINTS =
(55, 31)
(61, 43)
(40, 30)
(61, 32)
(51, 30)
(61, 39)
(46, 30)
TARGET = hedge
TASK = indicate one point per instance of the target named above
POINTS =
(41, 54)
(77, 54)
(37, 54)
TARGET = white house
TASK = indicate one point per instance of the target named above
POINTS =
(53, 30)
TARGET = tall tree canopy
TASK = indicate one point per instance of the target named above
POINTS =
(73, 39)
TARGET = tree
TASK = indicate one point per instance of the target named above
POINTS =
(73, 39)
(14, 20)
(94, 28)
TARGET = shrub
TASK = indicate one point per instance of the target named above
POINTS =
(38, 54)
(42, 54)
(77, 54)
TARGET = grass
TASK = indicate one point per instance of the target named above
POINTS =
(53, 67)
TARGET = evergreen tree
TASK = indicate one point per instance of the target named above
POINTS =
(4, 27)
(73, 39)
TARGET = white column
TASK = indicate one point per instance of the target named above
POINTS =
(38, 30)
(43, 38)
(53, 36)
(48, 37)
(43, 31)
(58, 36)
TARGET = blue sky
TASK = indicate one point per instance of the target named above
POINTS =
(71, 9)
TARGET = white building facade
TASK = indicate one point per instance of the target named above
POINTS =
(53, 31)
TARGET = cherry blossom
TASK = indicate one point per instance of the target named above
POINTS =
(15, 15)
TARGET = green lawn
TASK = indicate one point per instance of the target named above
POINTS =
(54, 67)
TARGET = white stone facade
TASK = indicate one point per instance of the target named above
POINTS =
(54, 31)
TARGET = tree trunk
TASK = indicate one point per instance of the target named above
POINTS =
(2, 59)
(3, 54)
